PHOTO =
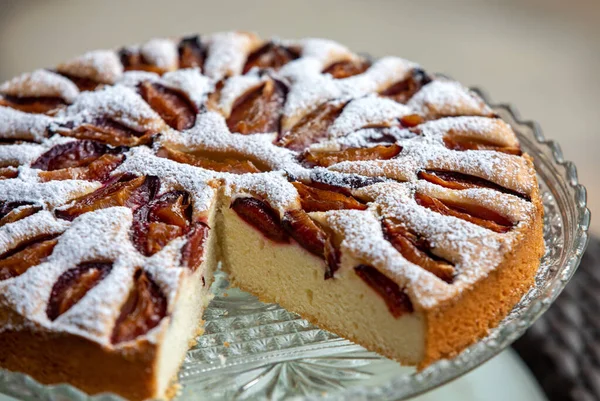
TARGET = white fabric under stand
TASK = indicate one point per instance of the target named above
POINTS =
(503, 378)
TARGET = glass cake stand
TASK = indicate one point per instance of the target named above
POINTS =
(252, 350)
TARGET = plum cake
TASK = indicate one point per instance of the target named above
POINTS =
(381, 202)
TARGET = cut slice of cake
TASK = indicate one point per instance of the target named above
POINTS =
(382, 203)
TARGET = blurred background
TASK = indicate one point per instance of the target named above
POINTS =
(541, 55)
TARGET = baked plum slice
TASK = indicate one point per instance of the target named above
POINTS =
(305, 231)
(17, 210)
(27, 254)
(192, 252)
(411, 120)
(259, 109)
(83, 84)
(329, 158)
(343, 183)
(160, 221)
(261, 216)
(70, 154)
(86, 160)
(133, 60)
(321, 200)
(472, 213)
(417, 250)
(98, 170)
(192, 53)
(143, 310)
(73, 284)
(270, 56)
(122, 190)
(397, 301)
(8, 172)
(347, 68)
(312, 127)
(403, 90)
(35, 105)
(174, 107)
(459, 181)
(106, 131)
(459, 142)
(313, 238)
(215, 162)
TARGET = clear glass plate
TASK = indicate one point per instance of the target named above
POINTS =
(252, 350)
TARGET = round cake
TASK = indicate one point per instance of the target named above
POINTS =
(386, 204)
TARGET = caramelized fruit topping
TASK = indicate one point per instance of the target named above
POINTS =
(192, 253)
(8, 172)
(27, 254)
(332, 256)
(340, 182)
(311, 128)
(321, 200)
(36, 105)
(83, 84)
(73, 284)
(259, 109)
(458, 142)
(160, 221)
(403, 90)
(396, 299)
(411, 120)
(262, 217)
(472, 213)
(348, 68)
(416, 250)
(98, 170)
(453, 180)
(271, 55)
(70, 154)
(144, 309)
(191, 53)
(19, 213)
(7, 207)
(106, 131)
(328, 158)
(134, 60)
(305, 231)
(225, 164)
(123, 190)
(176, 109)
(313, 238)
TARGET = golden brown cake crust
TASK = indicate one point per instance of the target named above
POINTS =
(63, 358)
(466, 319)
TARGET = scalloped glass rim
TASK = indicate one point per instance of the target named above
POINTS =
(571, 219)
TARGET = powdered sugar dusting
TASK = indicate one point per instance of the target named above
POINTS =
(227, 53)
(324, 50)
(161, 53)
(120, 103)
(369, 110)
(448, 98)
(189, 81)
(18, 154)
(40, 83)
(15, 124)
(49, 194)
(173, 176)
(102, 66)
(132, 79)
(236, 87)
